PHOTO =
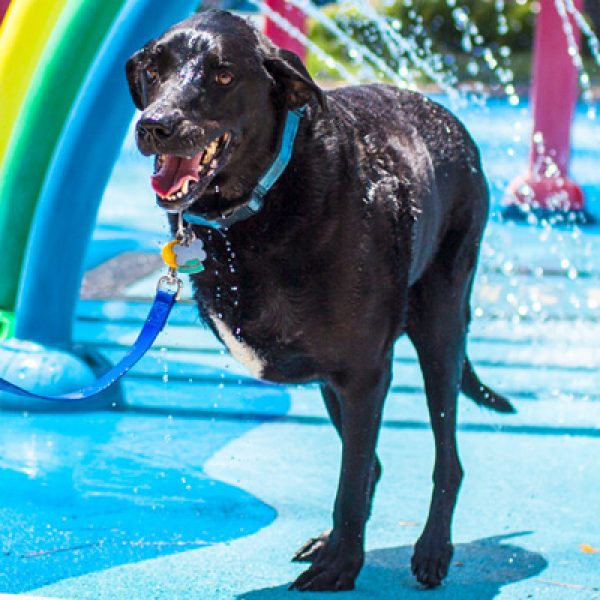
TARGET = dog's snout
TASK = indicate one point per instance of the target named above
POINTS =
(157, 129)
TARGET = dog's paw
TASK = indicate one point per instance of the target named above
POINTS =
(312, 548)
(431, 560)
(334, 569)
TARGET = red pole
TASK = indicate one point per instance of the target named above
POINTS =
(279, 36)
(546, 185)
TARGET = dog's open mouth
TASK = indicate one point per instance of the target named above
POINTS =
(179, 180)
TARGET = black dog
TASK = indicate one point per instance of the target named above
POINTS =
(372, 231)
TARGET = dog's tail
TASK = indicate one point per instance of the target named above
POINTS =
(481, 394)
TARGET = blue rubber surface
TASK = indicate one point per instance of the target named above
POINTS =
(129, 489)
(262, 461)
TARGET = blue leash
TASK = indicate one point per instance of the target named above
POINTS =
(157, 317)
(165, 300)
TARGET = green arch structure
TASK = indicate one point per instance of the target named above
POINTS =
(42, 354)
(46, 92)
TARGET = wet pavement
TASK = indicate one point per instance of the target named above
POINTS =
(207, 481)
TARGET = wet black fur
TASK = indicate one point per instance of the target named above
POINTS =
(372, 231)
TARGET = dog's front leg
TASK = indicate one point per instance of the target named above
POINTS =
(310, 550)
(361, 395)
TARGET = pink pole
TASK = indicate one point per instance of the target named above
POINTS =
(546, 185)
(3, 8)
(280, 37)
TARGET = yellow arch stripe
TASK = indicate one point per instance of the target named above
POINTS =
(25, 31)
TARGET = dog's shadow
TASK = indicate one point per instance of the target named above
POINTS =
(479, 570)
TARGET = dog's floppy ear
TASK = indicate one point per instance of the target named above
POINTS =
(289, 72)
(133, 78)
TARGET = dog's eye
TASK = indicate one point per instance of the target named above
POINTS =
(151, 74)
(224, 78)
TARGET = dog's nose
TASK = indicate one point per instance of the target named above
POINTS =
(158, 129)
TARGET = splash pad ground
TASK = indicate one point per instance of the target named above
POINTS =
(210, 481)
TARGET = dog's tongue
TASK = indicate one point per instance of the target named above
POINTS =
(173, 173)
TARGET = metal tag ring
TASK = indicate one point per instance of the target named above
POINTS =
(166, 283)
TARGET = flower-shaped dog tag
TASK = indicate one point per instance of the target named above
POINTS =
(186, 258)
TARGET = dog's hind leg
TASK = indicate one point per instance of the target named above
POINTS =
(310, 550)
(361, 393)
(437, 326)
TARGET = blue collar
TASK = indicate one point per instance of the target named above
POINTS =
(265, 183)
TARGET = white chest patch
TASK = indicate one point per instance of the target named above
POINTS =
(239, 350)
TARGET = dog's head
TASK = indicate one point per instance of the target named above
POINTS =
(213, 92)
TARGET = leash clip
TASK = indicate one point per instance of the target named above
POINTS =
(166, 283)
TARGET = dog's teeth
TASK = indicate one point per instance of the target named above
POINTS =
(209, 153)
(179, 194)
(214, 164)
(185, 187)
(212, 148)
